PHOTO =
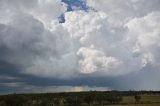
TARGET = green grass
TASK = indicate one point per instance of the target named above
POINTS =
(150, 98)
(156, 104)
(146, 100)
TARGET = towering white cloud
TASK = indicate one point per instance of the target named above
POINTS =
(144, 33)
(119, 38)
(92, 60)
(120, 11)
(102, 49)
(112, 32)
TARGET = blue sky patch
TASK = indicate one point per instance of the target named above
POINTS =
(73, 5)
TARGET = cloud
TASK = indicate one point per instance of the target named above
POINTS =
(13, 84)
(27, 88)
(119, 11)
(88, 88)
(33, 49)
(146, 79)
(4, 77)
(110, 31)
(145, 37)
(101, 48)
(30, 44)
(44, 10)
(92, 60)
(119, 38)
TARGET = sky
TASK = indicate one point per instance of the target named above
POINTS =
(79, 45)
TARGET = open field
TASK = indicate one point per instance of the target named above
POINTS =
(144, 99)
(156, 104)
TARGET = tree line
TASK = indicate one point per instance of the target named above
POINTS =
(90, 98)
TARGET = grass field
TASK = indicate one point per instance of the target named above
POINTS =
(156, 104)
(146, 100)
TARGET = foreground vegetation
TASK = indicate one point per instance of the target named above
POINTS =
(92, 98)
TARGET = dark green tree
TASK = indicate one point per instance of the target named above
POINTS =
(113, 98)
(89, 97)
(137, 98)
(44, 102)
(100, 98)
(73, 101)
(56, 101)
(15, 100)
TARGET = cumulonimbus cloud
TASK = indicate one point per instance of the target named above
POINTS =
(117, 39)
